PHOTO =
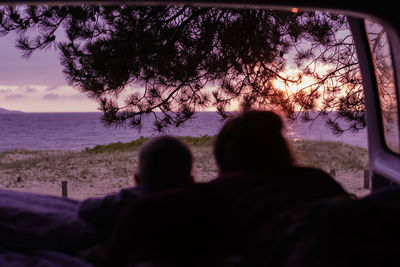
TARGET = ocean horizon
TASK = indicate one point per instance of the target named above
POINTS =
(80, 130)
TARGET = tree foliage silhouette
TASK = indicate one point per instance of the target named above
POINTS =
(169, 61)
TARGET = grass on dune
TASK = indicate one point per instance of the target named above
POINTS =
(119, 161)
(201, 141)
(330, 155)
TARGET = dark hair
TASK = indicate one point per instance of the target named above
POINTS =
(252, 141)
(165, 162)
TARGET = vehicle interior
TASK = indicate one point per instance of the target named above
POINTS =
(43, 230)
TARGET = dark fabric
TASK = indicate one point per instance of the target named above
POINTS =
(40, 258)
(208, 224)
(335, 233)
(102, 212)
(388, 195)
(33, 221)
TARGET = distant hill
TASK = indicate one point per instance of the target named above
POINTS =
(2, 110)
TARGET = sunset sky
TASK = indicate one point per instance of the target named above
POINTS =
(36, 84)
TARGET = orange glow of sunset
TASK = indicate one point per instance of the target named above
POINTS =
(306, 83)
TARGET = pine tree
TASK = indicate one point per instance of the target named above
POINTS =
(188, 58)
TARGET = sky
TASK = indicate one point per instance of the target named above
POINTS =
(36, 84)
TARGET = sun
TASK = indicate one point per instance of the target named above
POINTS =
(293, 86)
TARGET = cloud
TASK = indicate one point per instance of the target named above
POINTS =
(14, 97)
(30, 90)
(51, 96)
(78, 97)
(52, 88)
(5, 91)
(20, 89)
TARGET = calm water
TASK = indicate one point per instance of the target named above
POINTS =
(76, 131)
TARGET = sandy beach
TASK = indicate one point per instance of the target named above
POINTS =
(95, 173)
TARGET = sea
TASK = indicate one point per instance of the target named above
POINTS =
(77, 131)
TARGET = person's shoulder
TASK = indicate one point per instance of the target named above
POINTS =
(93, 207)
(237, 177)
(314, 178)
(132, 192)
(304, 174)
(308, 171)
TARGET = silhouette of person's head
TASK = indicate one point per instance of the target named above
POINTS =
(164, 162)
(252, 141)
